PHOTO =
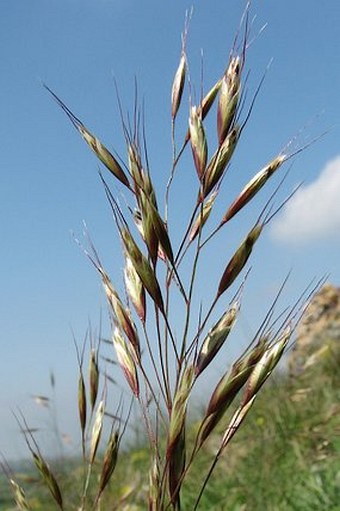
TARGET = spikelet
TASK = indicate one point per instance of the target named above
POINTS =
(266, 364)
(198, 141)
(216, 338)
(176, 449)
(228, 99)
(121, 315)
(178, 85)
(149, 233)
(254, 185)
(82, 407)
(164, 243)
(178, 412)
(109, 462)
(94, 377)
(154, 497)
(153, 223)
(137, 218)
(94, 143)
(19, 496)
(96, 431)
(176, 467)
(219, 161)
(49, 479)
(206, 104)
(152, 227)
(239, 259)
(104, 155)
(236, 422)
(202, 216)
(228, 388)
(145, 196)
(126, 361)
(135, 288)
(135, 165)
(209, 99)
(235, 378)
(143, 268)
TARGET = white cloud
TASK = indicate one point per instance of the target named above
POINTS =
(314, 211)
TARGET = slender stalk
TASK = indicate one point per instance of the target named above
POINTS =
(191, 288)
(166, 331)
(173, 168)
(179, 282)
(164, 367)
(191, 221)
(154, 365)
(172, 338)
(86, 487)
(180, 255)
(209, 474)
(175, 162)
(231, 431)
(211, 235)
(202, 326)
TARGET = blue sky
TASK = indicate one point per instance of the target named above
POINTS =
(49, 182)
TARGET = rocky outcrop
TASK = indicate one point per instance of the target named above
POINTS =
(318, 331)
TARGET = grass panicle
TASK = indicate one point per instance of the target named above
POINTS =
(166, 330)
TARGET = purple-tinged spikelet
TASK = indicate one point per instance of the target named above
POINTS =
(239, 259)
(216, 338)
(254, 185)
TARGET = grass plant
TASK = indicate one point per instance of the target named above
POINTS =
(161, 360)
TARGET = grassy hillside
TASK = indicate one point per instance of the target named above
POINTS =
(286, 457)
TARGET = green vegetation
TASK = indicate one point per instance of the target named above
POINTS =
(285, 458)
